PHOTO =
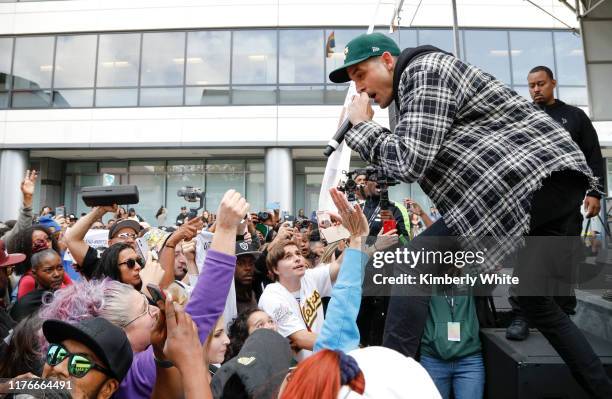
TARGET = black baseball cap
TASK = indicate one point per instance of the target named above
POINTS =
(258, 370)
(246, 248)
(360, 49)
(107, 341)
(122, 224)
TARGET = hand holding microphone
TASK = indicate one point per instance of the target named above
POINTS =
(359, 110)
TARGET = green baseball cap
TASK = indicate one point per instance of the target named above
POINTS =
(360, 49)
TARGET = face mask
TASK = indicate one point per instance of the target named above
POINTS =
(39, 245)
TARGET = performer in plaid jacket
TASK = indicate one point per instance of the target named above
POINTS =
(493, 163)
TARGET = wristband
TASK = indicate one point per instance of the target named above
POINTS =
(165, 364)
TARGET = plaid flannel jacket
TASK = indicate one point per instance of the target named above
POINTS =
(478, 149)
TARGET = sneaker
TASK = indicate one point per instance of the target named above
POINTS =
(518, 330)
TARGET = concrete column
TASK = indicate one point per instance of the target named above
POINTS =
(279, 177)
(13, 164)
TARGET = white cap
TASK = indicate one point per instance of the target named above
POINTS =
(390, 375)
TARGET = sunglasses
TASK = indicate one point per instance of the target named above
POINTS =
(78, 364)
(131, 263)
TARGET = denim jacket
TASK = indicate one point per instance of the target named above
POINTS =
(340, 328)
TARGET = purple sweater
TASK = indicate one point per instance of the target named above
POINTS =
(205, 307)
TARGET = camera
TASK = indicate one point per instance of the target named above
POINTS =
(350, 186)
(192, 194)
(262, 216)
(382, 183)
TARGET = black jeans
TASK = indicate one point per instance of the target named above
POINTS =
(552, 207)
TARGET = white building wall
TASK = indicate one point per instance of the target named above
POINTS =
(110, 15)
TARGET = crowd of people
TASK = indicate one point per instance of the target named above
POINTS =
(243, 304)
(64, 297)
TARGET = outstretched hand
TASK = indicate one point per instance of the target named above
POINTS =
(352, 216)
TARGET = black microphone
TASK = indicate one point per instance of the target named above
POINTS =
(338, 138)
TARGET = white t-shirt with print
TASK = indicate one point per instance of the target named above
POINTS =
(290, 317)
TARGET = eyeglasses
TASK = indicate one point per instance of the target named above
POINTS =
(131, 263)
(148, 309)
(125, 236)
(78, 364)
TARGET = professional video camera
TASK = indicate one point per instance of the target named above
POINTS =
(192, 194)
(382, 183)
(349, 187)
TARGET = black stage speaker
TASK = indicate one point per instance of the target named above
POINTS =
(532, 369)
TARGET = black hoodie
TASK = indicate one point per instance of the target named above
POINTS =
(579, 126)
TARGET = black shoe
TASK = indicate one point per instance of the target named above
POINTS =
(518, 330)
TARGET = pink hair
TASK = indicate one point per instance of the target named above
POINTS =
(85, 300)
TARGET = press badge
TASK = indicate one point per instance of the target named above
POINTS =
(454, 331)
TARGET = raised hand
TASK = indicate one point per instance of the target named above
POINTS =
(186, 232)
(352, 216)
(28, 186)
(231, 211)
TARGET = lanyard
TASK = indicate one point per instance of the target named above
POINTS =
(451, 303)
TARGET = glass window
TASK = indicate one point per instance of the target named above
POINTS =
(182, 174)
(75, 61)
(302, 94)
(440, 38)
(570, 59)
(408, 38)
(72, 98)
(81, 167)
(574, 95)
(6, 52)
(31, 99)
(118, 56)
(116, 97)
(83, 181)
(254, 58)
(255, 189)
(301, 56)
(208, 57)
(221, 176)
(225, 166)
(151, 190)
(335, 95)
(530, 49)
(255, 166)
(161, 96)
(254, 95)
(33, 63)
(3, 99)
(208, 95)
(113, 167)
(299, 185)
(335, 42)
(488, 50)
(147, 167)
(163, 56)
(522, 91)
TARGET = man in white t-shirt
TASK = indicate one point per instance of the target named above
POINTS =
(295, 300)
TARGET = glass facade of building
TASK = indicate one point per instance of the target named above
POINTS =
(159, 180)
(247, 67)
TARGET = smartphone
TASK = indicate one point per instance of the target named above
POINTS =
(324, 219)
(389, 225)
(156, 293)
(60, 211)
(335, 233)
